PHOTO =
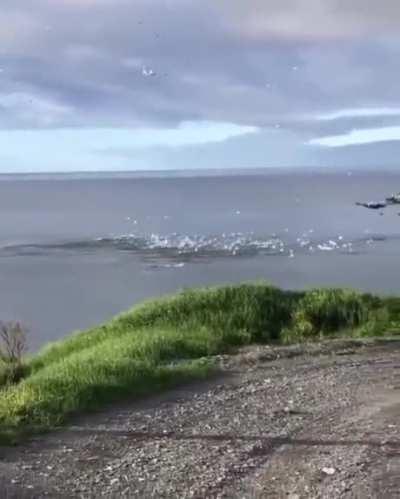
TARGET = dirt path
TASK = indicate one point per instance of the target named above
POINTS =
(303, 426)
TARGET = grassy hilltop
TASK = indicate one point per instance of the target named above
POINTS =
(164, 342)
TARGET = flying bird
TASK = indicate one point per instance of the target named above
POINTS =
(394, 199)
(148, 72)
(373, 205)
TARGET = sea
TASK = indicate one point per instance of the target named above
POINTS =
(76, 249)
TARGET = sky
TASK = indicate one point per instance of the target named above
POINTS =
(90, 85)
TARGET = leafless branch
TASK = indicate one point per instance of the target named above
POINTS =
(13, 341)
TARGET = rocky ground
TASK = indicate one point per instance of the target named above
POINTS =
(320, 421)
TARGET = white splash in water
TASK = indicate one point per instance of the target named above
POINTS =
(325, 247)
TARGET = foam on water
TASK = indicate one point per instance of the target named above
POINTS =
(162, 249)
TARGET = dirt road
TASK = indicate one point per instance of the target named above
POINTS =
(314, 424)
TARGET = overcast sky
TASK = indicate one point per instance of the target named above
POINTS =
(154, 84)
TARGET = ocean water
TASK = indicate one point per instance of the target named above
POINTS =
(77, 249)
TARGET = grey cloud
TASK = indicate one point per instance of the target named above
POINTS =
(313, 19)
(251, 150)
(81, 61)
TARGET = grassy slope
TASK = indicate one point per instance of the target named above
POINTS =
(164, 342)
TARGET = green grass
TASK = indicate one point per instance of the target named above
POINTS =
(168, 341)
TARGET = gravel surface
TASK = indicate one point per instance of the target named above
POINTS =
(298, 422)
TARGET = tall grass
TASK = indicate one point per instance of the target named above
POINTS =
(327, 311)
(258, 309)
(163, 342)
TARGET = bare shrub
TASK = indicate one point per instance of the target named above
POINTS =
(13, 342)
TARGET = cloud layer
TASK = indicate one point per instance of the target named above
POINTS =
(310, 68)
